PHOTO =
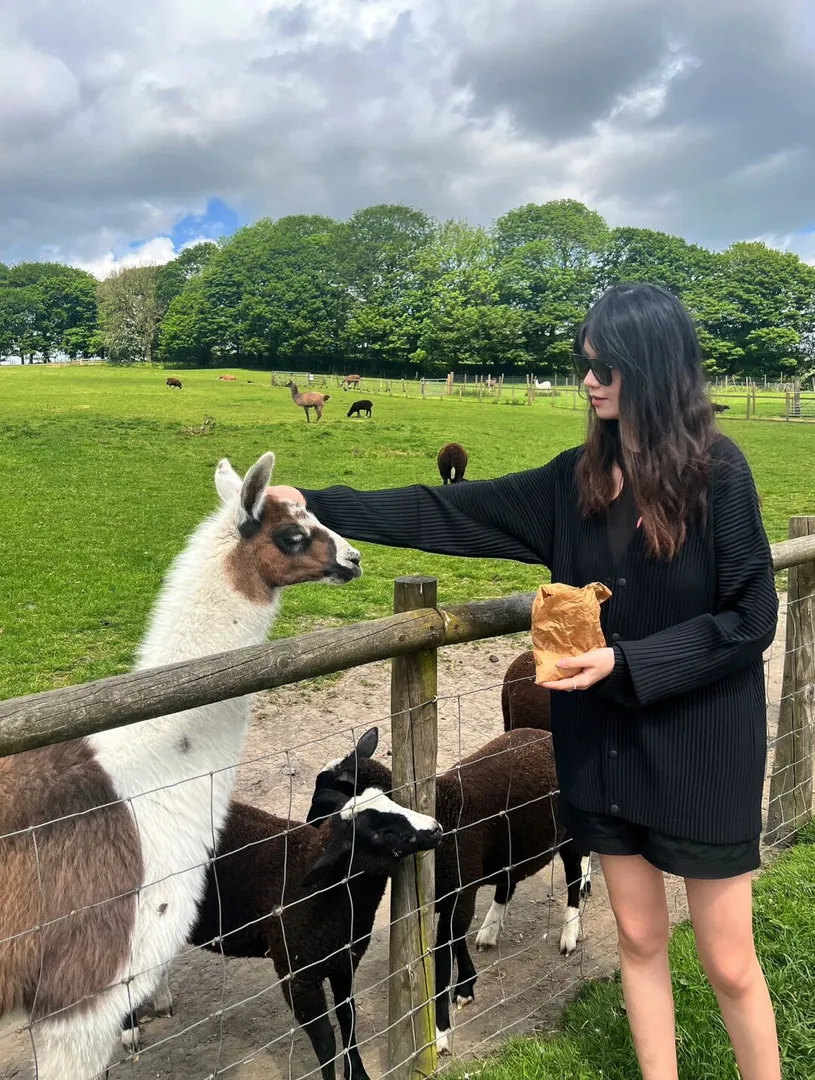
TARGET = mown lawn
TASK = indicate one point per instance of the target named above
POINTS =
(594, 1040)
(100, 487)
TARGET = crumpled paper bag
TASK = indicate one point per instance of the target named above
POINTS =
(565, 622)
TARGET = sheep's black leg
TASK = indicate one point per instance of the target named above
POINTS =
(462, 918)
(130, 1031)
(444, 971)
(345, 1006)
(307, 1002)
(571, 858)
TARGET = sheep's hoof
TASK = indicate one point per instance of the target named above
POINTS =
(463, 1001)
(570, 934)
(131, 1038)
(585, 890)
(443, 1041)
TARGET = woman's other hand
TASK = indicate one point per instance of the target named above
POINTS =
(581, 672)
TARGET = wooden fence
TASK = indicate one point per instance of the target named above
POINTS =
(411, 637)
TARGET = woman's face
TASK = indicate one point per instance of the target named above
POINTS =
(605, 400)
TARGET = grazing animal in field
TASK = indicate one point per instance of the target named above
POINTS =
(523, 703)
(174, 382)
(498, 809)
(228, 378)
(717, 408)
(308, 400)
(349, 381)
(104, 840)
(359, 407)
(452, 462)
(307, 898)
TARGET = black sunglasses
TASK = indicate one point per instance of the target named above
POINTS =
(599, 368)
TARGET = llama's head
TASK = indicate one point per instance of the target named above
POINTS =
(278, 543)
(348, 777)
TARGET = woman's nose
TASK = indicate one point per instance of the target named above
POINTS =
(590, 381)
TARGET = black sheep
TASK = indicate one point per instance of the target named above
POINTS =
(498, 809)
(452, 462)
(360, 407)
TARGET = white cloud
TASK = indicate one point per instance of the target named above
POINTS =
(696, 117)
(153, 252)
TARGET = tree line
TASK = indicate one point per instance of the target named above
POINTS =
(393, 290)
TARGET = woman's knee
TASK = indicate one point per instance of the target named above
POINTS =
(642, 935)
(732, 972)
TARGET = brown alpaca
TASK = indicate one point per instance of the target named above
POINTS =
(349, 381)
(310, 400)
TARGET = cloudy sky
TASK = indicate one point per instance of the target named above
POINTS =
(128, 129)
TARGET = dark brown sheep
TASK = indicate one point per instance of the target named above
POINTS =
(498, 809)
(717, 408)
(278, 889)
(452, 462)
(522, 702)
(174, 382)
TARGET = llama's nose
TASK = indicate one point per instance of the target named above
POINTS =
(354, 556)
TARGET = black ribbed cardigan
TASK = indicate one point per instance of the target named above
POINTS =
(675, 738)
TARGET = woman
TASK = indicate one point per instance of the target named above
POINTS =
(660, 738)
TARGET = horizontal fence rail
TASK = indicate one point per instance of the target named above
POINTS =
(75, 711)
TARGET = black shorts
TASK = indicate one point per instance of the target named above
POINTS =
(605, 834)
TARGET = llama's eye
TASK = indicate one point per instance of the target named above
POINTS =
(290, 539)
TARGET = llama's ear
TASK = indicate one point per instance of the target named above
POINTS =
(227, 482)
(253, 491)
(368, 743)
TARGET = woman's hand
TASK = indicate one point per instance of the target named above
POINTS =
(286, 494)
(584, 671)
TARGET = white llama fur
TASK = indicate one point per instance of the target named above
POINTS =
(176, 772)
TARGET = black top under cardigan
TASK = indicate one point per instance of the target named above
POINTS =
(675, 738)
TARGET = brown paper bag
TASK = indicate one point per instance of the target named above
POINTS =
(565, 622)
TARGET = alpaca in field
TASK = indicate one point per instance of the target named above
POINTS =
(227, 378)
(310, 400)
(349, 381)
(104, 841)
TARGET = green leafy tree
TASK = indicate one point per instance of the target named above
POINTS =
(129, 313)
(655, 257)
(45, 309)
(174, 275)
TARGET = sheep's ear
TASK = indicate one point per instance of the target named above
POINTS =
(253, 490)
(331, 866)
(227, 482)
(368, 743)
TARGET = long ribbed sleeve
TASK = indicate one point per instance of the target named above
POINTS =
(507, 518)
(701, 650)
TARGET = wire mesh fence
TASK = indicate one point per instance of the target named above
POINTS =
(314, 948)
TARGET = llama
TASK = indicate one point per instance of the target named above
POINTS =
(105, 839)
(452, 463)
(349, 381)
(360, 407)
(174, 382)
(227, 378)
(281, 889)
(498, 809)
(310, 400)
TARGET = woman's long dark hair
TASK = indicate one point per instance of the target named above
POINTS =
(666, 428)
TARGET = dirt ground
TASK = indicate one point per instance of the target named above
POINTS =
(230, 1017)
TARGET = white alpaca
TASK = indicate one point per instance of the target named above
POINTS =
(174, 774)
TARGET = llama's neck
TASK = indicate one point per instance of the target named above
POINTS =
(198, 613)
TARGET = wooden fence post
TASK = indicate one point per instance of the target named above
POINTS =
(412, 1051)
(790, 806)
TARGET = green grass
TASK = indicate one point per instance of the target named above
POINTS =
(100, 487)
(594, 1040)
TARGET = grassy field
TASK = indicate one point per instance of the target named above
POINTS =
(594, 1041)
(100, 486)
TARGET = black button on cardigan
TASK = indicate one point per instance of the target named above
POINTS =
(684, 705)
